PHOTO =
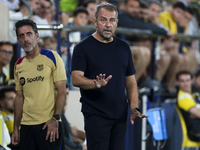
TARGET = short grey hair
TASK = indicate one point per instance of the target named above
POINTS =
(107, 6)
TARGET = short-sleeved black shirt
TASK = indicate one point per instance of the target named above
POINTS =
(94, 58)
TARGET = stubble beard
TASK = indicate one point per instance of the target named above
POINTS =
(104, 36)
(30, 49)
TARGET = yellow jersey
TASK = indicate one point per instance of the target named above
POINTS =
(9, 120)
(166, 19)
(186, 100)
(36, 79)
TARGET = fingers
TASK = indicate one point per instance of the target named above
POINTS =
(53, 135)
(57, 134)
(132, 122)
(52, 138)
(108, 78)
(14, 140)
(50, 135)
(143, 116)
(47, 136)
(100, 77)
(52, 132)
(44, 126)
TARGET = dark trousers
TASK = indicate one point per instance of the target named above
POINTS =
(32, 137)
(105, 134)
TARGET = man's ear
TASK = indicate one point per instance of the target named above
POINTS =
(37, 36)
(95, 22)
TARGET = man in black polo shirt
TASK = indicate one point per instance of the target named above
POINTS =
(102, 67)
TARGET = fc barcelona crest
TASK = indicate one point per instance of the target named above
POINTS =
(40, 67)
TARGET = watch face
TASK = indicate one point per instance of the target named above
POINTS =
(57, 117)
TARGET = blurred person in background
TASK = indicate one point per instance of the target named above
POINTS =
(182, 57)
(164, 59)
(170, 19)
(141, 47)
(45, 7)
(91, 6)
(189, 104)
(6, 53)
(5, 135)
(7, 97)
(155, 8)
(120, 6)
(143, 11)
(196, 81)
(80, 18)
(185, 22)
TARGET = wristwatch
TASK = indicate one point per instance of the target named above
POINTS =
(57, 117)
(136, 110)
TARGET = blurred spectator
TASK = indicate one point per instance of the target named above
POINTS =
(192, 26)
(143, 11)
(132, 8)
(90, 5)
(7, 97)
(188, 104)
(120, 6)
(80, 18)
(128, 18)
(51, 15)
(183, 57)
(142, 51)
(163, 59)
(6, 53)
(6, 141)
(73, 138)
(184, 22)
(13, 4)
(45, 6)
(23, 13)
(170, 19)
(196, 81)
(154, 11)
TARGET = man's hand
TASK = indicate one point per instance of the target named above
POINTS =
(101, 81)
(52, 129)
(135, 115)
(15, 137)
